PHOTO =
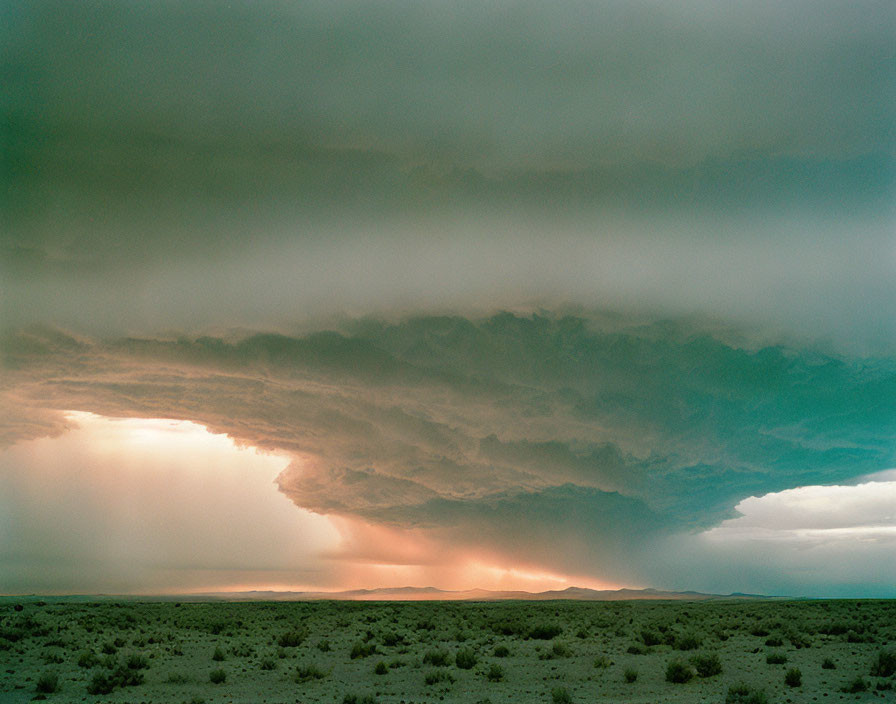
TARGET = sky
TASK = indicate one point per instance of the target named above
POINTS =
(510, 295)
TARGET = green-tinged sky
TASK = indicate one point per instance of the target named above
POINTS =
(321, 295)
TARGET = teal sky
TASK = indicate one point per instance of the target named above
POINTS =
(573, 292)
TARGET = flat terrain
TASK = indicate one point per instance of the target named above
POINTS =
(391, 652)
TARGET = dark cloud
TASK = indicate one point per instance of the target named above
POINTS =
(463, 428)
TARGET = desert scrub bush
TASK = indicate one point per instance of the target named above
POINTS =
(793, 678)
(744, 694)
(707, 665)
(136, 662)
(856, 686)
(243, 650)
(100, 684)
(292, 639)
(630, 675)
(217, 676)
(495, 673)
(439, 658)
(679, 672)
(381, 668)
(177, 678)
(465, 659)
(828, 664)
(362, 650)
(559, 649)
(47, 683)
(307, 673)
(87, 658)
(502, 651)
(544, 631)
(885, 664)
(561, 695)
(437, 676)
(218, 655)
(776, 658)
(686, 641)
(356, 699)
(602, 662)
(392, 639)
(651, 637)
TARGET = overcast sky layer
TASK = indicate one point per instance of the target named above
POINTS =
(299, 223)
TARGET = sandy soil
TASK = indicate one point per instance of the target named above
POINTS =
(556, 652)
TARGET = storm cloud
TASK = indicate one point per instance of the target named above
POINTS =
(477, 432)
(162, 159)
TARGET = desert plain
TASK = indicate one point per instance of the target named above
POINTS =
(556, 652)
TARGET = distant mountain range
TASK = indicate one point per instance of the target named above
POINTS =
(433, 594)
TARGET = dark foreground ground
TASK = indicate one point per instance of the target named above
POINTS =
(739, 652)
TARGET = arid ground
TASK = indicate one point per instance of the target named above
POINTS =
(392, 652)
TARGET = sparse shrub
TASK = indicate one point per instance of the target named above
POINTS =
(268, 664)
(123, 677)
(793, 678)
(217, 676)
(774, 642)
(630, 675)
(47, 683)
(218, 655)
(560, 649)
(637, 649)
(602, 662)
(856, 686)
(679, 672)
(707, 665)
(651, 637)
(307, 673)
(100, 684)
(582, 634)
(495, 673)
(439, 658)
(437, 676)
(324, 646)
(828, 664)
(109, 649)
(686, 641)
(545, 631)
(885, 665)
(355, 699)
(465, 659)
(362, 650)
(744, 694)
(561, 695)
(798, 640)
(776, 658)
(177, 678)
(87, 658)
(292, 639)
(381, 668)
(393, 639)
(137, 662)
(502, 651)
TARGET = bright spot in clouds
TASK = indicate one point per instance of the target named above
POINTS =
(147, 504)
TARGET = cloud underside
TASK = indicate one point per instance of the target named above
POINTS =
(514, 434)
